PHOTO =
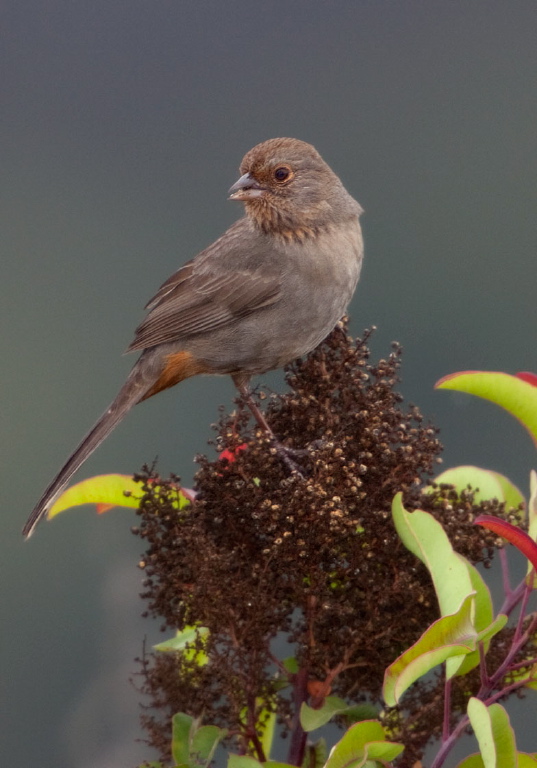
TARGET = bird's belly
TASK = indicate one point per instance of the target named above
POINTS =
(273, 337)
(316, 290)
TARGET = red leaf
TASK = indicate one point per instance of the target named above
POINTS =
(453, 376)
(231, 455)
(102, 508)
(530, 378)
(519, 538)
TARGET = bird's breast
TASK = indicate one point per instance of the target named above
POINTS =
(320, 278)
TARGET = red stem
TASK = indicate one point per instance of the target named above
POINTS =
(488, 683)
(447, 709)
(297, 746)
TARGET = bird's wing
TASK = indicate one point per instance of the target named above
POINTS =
(201, 297)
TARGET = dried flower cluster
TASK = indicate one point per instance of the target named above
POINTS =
(276, 564)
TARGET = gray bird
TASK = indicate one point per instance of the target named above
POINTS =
(269, 290)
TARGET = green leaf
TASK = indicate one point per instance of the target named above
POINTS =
(425, 538)
(484, 621)
(267, 725)
(488, 484)
(358, 712)
(291, 665)
(282, 676)
(532, 515)
(472, 761)
(193, 744)
(450, 572)
(204, 743)
(274, 764)
(315, 755)
(181, 726)
(182, 641)
(363, 742)
(494, 734)
(385, 751)
(526, 761)
(106, 491)
(243, 761)
(476, 761)
(453, 577)
(310, 718)
(515, 394)
(485, 636)
(450, 636)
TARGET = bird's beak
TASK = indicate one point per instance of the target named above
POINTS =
(246, 188)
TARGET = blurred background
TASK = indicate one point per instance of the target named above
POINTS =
(122, 127)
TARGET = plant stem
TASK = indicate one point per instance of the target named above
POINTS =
(446, 747)
(297, 746)
(447, 709)
(520, 623)
(252, 732)
(489, 682)
(513, 598)
(485, 680)
(505, 573)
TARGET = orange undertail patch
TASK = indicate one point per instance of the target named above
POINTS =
(177, 367)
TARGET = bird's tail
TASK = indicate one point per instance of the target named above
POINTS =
(134, 390)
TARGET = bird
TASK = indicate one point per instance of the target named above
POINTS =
(266, 292)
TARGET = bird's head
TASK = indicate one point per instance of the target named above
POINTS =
(287, 187)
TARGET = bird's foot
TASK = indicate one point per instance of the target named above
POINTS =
(289, 456)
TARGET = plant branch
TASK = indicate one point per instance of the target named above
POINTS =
(485, 679)
(488, 682)
(447, 709)
(513, 598)
(297, 747)
(505, 573)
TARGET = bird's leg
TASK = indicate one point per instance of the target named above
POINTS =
(255, 411)
(284, 452)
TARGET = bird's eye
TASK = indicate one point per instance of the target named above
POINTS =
(282, 173)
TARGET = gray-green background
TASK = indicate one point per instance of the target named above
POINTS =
(122, 125)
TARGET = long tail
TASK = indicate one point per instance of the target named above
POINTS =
(135, 389)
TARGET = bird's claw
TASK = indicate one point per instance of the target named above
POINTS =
(289, 456)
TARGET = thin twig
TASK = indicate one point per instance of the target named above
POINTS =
(297, 746)
(447, 709)
(522, 614)
(521, 593)
(485, 679)
(522, 664)
(446, 747)
(505, 573)
(513, 598)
